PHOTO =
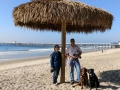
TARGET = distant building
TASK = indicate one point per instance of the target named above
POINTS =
(114, 43)
(14, 42)
(119, 42)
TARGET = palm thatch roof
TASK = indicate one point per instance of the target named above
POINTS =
(48, 15)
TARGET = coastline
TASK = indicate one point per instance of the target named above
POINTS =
(36, 60)
(23, 62)
(31, 61)
(39, 60)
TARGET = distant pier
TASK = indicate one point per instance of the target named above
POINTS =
(52, 44)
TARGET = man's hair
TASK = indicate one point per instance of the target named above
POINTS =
(72, 39)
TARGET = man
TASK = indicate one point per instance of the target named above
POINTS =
(74, 62)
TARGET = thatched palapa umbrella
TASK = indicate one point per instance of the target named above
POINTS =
(62, 16)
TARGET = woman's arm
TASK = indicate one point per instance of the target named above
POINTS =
(51, 61)
(60, 59)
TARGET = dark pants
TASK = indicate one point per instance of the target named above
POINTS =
(55, 74)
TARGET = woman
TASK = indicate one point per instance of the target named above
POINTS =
(55, 63)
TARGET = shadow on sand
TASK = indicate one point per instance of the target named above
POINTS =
(111, 76)
(64, 82)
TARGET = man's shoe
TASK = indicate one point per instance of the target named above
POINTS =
(71, 83)
(77, 81)
(56, 84)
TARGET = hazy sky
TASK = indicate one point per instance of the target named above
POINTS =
(10, 33)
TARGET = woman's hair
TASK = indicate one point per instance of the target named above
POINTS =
(56, 46)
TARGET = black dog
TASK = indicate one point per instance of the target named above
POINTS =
(93, 79)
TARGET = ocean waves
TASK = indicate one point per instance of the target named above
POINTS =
(13, 52)
(41, 50)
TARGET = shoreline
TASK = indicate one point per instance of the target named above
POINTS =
(22, 62)
(36, 60)
(17, 55)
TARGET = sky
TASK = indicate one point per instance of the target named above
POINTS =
(10, 33)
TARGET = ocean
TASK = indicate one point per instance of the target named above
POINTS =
(8, 53)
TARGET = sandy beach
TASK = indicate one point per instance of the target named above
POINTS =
(34, 74)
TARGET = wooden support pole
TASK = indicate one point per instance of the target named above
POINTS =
(63, 46)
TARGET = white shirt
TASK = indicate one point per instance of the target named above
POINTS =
(72, 50)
